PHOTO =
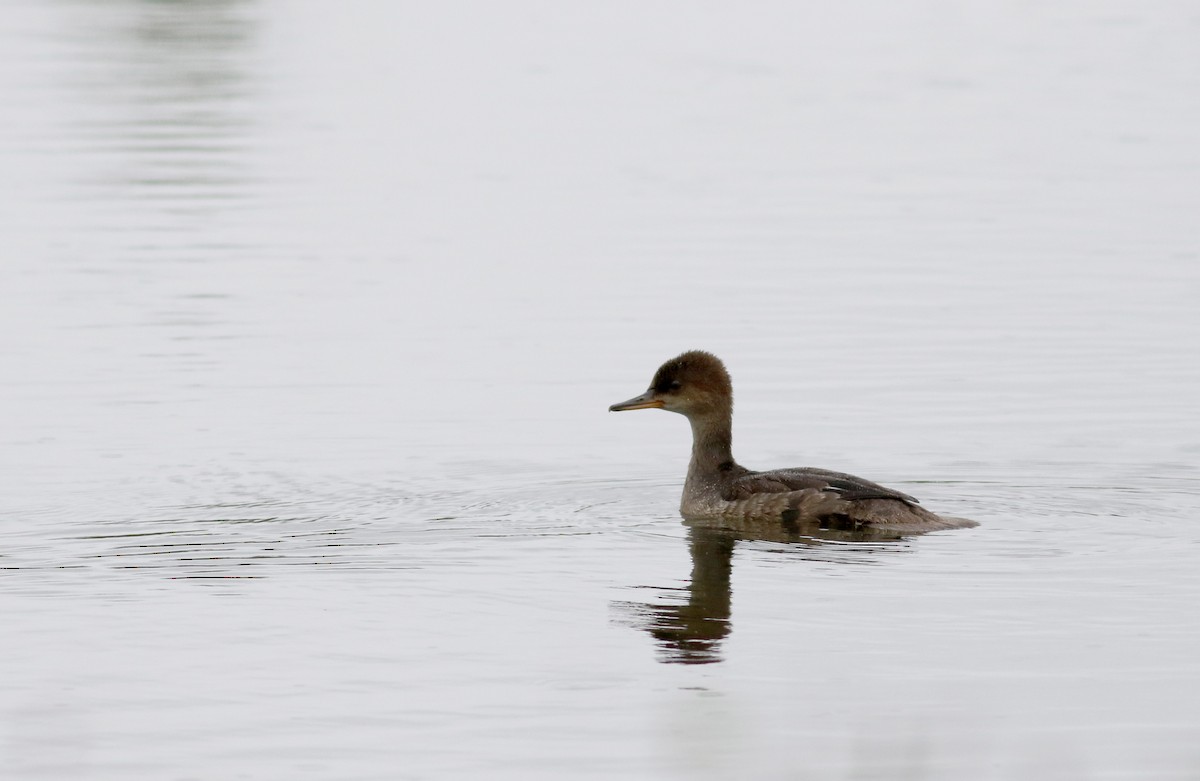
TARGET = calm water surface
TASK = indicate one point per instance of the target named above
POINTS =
(312, 314)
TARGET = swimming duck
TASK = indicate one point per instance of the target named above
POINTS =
(719, 490)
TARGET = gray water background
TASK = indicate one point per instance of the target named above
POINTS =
(312, 313)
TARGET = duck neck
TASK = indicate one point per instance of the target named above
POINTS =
(712, 444)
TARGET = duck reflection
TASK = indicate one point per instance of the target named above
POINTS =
(691, 633)
(689, 624)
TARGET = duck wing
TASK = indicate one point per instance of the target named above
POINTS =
(842, 485)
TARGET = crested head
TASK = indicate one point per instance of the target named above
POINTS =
(695, 370)
(695, 384)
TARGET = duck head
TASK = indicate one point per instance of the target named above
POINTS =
(694, 384)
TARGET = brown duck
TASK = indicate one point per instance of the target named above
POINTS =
(718, 490)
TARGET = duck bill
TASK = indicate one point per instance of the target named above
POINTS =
(645, 401)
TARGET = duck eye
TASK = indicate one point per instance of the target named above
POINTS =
(675, 385)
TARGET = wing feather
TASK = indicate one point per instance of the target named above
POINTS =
(842, 485)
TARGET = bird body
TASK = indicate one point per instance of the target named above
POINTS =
(721, 492)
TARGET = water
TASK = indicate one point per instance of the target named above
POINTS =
(313, 313)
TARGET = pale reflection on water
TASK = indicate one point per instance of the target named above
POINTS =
(166, 102)
(312, 314)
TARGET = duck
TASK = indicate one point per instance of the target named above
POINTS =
(720, 492)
